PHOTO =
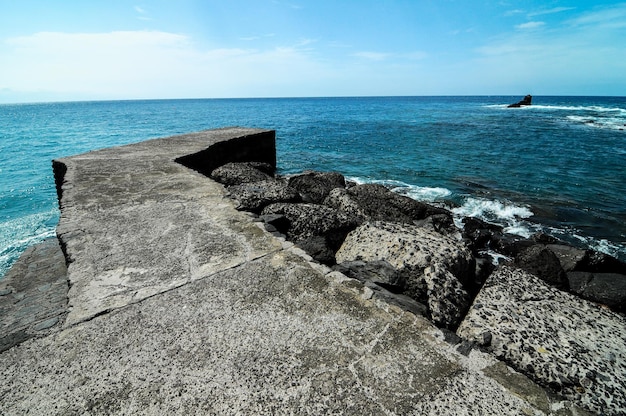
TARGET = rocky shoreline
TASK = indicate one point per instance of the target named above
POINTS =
(551, 311)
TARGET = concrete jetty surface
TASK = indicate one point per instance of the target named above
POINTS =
(176, 303)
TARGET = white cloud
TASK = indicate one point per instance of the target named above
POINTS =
(608, 18)
(373, 56)
(550, 11)
(149, 64)
(530, 25)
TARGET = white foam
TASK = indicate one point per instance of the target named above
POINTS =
(506, 214)
(419, 193)
(492, 210)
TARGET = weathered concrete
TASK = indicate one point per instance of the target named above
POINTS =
(179, 304)
(33, 294)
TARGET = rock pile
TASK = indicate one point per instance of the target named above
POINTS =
(552, 311)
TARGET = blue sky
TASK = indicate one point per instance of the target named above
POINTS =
(119, 49)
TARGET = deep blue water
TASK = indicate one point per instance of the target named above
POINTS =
(557, 166)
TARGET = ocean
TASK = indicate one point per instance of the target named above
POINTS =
(557, 166)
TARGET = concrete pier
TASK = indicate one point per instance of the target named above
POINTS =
(176, 303)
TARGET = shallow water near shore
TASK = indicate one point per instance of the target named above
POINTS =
(556, 166)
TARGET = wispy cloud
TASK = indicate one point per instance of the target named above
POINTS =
(530, 25)
(140, 63)
(608, 18)
(550, 11)
(372, 56)
(513, 12)
(143, 13)
(253, 38)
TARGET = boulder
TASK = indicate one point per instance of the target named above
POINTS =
(447, 299)
(605, 288)
(570, 257)
(481, 234)
(378, 203)
(597, 262)
(379, 272)
(527, 100)
(245, 172)
(544, 264)
(314, 187)
(559, 340)
(308, 222)
(343, 201)
(410, 250)
(255, 196)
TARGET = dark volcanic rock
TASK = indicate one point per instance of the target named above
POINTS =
(376, 202)
(606, 288)
(238, 173)
(307, 222)
(481, 234)
(597, 262)
(526, 101)
(543, 263)
(314, 187)
(257, 195)
(378, 271)
(571, 258)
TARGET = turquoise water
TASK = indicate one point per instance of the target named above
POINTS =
(557, 166)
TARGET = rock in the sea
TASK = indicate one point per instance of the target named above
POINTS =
(378, 203)
(527, 100)
(558, 339)
(409, 249)
(238, 173)
(314, 187)
(606, 288)
(480, 233)
(544, 264)
(255, 196)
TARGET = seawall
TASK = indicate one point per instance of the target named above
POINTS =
(174, 302)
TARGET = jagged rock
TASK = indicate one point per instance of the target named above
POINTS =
(379, 272)
(597, 262)
(526, 101)
(544, 264)
(314, 187)
(257, 195)
(376, 202)
(559, 340)
(409, 249)
(238, 173)
(405, 302)
(570, 257)
(606, 288)
(341, 200)
(311, 220)
(480, 233)
(447, 299)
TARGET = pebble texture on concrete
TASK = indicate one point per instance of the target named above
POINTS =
(181, 305)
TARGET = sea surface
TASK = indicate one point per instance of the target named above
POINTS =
(558, 166)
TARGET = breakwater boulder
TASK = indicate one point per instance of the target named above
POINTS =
(431, 266)
(572, 345)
